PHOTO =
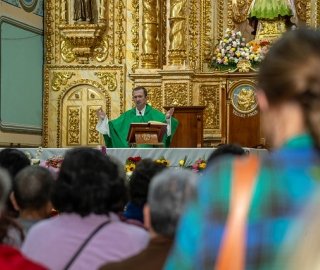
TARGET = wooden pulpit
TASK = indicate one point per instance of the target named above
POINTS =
(189, 133)
(150, 133)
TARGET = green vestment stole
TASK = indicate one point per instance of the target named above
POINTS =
(119, 127)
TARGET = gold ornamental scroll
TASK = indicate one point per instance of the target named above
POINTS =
(178, 32)
(149, 56)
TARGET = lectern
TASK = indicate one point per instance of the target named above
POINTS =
(150, 133)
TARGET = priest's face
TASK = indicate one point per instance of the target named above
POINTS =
(139, 99)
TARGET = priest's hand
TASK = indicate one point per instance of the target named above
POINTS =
(100, 113)
(169, 113)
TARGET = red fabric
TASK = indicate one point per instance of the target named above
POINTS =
(12, 259)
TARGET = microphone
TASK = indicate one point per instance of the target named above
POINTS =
(142, 117)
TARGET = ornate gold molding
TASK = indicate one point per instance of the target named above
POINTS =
(240, 10)
(163, 8)
(210, 97)
(108, 78)
(220, 12)
(65, 90)
(120, 31)
(135, 35)
(100, 52)
(193, 33)
(83, 38)
(66, 51)
(73, 126)
(301, 7)
(155, 97)
(60, 78)
(177, 94)
(94, 135)
(48, 32)
(230, 24)
(206, 45)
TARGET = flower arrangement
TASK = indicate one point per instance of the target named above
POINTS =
(233, 48)
(103, 149)
(183, 162)
(36, 160)
(131, 163)
(258, 51)
(163, 161)
(199, 164)
(54, 162)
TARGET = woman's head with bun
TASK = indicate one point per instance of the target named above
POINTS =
(289, 84)
(88, 182)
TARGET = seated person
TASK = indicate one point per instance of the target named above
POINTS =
(31, 195)
(10, 258)
(145, 170)
(13, 161)
(88, 194)
(115, 132)
(169, 191)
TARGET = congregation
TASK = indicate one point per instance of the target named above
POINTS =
(238, 214)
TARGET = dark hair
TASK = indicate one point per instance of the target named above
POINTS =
(32, 187)
(140, 88)
(140, 180)
(290, 71)
(226, 149)
(13, 161)
(88, 182)
(6, 221)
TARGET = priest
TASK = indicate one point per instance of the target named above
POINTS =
(115, 131)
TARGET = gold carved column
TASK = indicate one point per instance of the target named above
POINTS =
(178, 32)
(149, 56)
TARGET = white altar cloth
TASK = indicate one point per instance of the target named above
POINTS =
(174, 155)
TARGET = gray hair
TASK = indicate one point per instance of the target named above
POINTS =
(168, 193)
(5, 187)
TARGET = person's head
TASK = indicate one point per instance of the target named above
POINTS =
(289, 85)
(13, 161)
(88, 182)
(226, 149)
(140, 180)
(5, 187)
(31, 192)
(140, 97)
(169, 192)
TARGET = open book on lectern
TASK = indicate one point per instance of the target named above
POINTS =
(154, 128)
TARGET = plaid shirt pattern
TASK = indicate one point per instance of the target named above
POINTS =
(286, 180)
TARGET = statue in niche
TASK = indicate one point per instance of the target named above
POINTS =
(256, 18)
(83, 11)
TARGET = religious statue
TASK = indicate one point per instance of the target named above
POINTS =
(246, 99)
(83, 11)
(267, 18)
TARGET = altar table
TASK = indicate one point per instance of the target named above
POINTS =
(173, 155)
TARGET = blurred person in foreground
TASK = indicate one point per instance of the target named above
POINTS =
(13, 161)
(289, 99)
(11, 258)
(138, 189)
(31, 195)
(169, 191)
(88, 194)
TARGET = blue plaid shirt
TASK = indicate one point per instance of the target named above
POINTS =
(286, 180)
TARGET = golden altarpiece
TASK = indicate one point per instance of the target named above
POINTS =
(95, 59)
